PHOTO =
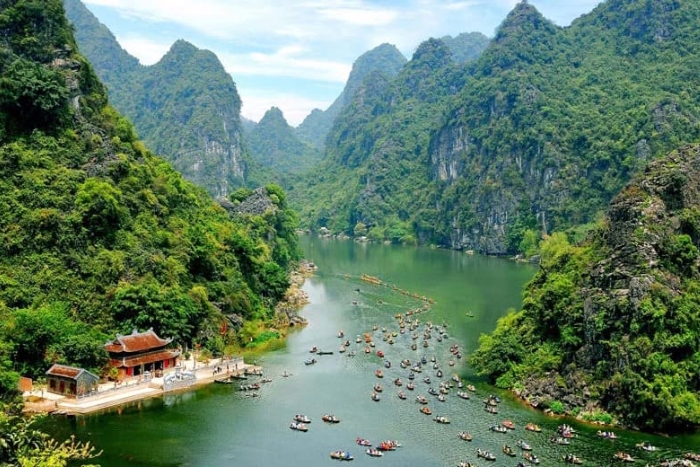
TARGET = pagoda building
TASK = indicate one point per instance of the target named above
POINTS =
(141, 352)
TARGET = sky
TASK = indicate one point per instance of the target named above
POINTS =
(297, 54)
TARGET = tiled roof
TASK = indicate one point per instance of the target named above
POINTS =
(136, 342)
(146, 359)
(67, 371)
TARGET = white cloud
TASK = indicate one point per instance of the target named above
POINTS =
(294, 107)
(146, 50)
(285, 64)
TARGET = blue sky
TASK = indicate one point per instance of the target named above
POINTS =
(297, 54)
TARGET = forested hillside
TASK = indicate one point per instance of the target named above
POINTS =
(185, 107)
(535, 136)
(385, 59)
(98, 235)
(274, 144)
(614, 323)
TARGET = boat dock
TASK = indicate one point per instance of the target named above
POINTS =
(113, 394)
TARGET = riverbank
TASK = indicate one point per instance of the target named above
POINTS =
(112, 395)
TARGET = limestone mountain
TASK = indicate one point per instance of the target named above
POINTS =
(534, 136)
(384, 58)
(613, 323)
(185, 107)
(274, 145)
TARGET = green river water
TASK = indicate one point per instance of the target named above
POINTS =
(218, 425)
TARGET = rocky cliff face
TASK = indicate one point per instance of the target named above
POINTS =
(185, 107)
(626, 328)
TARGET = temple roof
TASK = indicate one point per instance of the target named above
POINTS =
(68, 371)
(145, 359)
(136, 342)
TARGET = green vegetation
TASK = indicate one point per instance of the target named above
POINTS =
(274, 144)
(185, 107)
(99, 236)
(534, 136)
(615, 320)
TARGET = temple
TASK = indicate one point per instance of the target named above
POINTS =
(139, 352)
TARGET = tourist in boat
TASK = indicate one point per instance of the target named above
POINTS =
(572, 459)
(402, 395)
(508, 451)
(646, 446)
(533, 427)
(374, 452)
(523, 445)
(530, 457)
(296, 426)
(363, 442)
(376, 397)
(442, 419)
(487, 455)
(378, 388)
(398, 382)
(624, 457)
(301, 418)
(330, 418)
(379, 374)
(341, 455)
(464, 436)
(410, 386)
(426, 410)
(508, 424)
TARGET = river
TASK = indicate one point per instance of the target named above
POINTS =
(219, 426)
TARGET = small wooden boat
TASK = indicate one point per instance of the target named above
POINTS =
(463, 395)
(508, 451)
(426, 410)
(498, 429)
(421, 399)
(380, 354)
(363, 442)
(533, 427)
(330, 418)
(442, 419)
(530, 457)
(374, 452)
(465, 464)
(341, 455)
(486, 455)
(623, 456)
(571, 459)
(389, 445)
(410, 386)
(379, 374)
(464, 436)
(607, 434)
(300, 418)
(508, 424)
(378, 388)
(398, 382)
(310, 361)
(314, 349)
(470, 387)
(523, 445)
(402, 395)
(376, 397)
(296, 426)
(324, 352)
(491, 409)
(646, 446)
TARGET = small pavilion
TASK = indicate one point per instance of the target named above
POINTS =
(70, 381)
(139, 352)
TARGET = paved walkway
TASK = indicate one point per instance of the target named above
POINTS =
(109, 396)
